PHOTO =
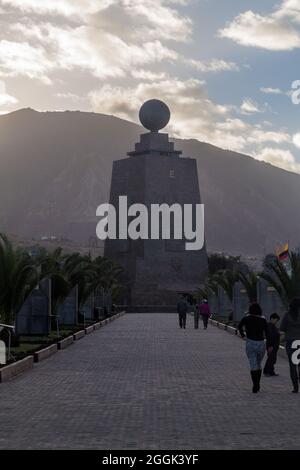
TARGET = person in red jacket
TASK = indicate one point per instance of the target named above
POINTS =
(204, 312)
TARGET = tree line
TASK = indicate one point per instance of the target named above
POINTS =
(225, 272)
(21, 271)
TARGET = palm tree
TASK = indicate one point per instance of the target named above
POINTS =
(226, 279)
(212, 285)
(53, 266)
(250, 282)
(20, 273)
(107, 276)
(67, 271)
(284, 279)
(18, 277)
(91, 275)
(83, 273)
(201, 293)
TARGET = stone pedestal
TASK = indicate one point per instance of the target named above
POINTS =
(240, 301)
(68, 310)
(88, 308)
(269, 299)
(34, 316)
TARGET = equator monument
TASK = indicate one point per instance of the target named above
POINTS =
(156, 270)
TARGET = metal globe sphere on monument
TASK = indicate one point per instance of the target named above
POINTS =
(154, 115)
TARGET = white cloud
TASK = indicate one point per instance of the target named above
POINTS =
(148, 75)
(154, 19)
(194, 115)
(214, 65)
(289, 10)
(278, 157)
(102, 54)
(20, 58)
(67, 8)
(5, 98)
(259, 136)
(107, 38)
(271, 91)
(278, 31)
(233, 125)
(296, 140)
(70, 96)
(159, 19)
(250, 107)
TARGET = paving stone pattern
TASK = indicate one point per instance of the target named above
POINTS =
(142, 383)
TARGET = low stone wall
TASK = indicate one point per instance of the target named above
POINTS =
(80, 334)
(45, 353)
(64, 343)
(89, 329)
(223, 326)
(11, 371)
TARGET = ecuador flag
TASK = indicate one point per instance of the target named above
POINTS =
(283, 252)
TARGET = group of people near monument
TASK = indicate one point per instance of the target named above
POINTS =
(261, 337)
(199, 309)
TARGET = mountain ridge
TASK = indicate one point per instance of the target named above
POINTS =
(55, 170)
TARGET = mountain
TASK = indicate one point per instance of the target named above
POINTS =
(55, 169)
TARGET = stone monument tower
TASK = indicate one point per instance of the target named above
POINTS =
(156, 270)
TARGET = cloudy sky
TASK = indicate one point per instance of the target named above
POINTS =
(225, 67)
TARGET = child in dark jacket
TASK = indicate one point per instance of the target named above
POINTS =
(273, 344)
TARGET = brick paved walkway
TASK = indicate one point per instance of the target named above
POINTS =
(140, 382)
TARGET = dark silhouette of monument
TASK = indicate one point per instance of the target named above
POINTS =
(156, 270)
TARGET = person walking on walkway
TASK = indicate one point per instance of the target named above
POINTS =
(182, 309)
(290, 325)
(272, 346)
(196, 314)
(204, 311)
(256, 328)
